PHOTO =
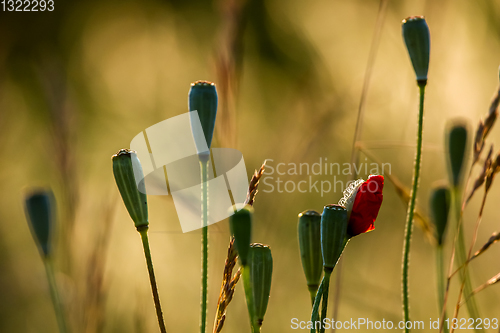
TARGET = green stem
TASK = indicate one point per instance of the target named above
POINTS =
(461, 257)
(411, 209)
(312, 292)
(324, 303)
(317, 301)
(440, 282)
(54, 294)
(204, 243)
(147, 253)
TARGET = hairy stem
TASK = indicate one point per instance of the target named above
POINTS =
(145, 244)
(411, 208)
(204, 243)
(54, 294)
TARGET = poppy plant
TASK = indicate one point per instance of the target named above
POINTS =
(363, 199)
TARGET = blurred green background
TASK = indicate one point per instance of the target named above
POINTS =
(77, 84)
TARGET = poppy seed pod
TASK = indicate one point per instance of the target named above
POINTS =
(125, 165)
(418, 42)
(240, 225)
(261, 272)
(309, 230)
(203, 99)
(440, 208)
(39, 208)
(333, 234)
(457, 141)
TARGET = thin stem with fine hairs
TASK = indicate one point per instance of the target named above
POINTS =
(204, 242)
(145, 244)
(411, 208)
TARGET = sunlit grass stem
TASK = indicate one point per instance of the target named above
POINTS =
(147, 253)
(204, 242)
(411, 208)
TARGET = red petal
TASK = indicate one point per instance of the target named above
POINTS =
(366, 206)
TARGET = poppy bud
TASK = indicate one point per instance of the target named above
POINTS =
(363, 199)
(203, 99)
(333, 234)
(125, 166)
(418, 42)
(440, 208)
(240, 225)
(39, 208)
(309, 230)
(261, 272)
(457, 141)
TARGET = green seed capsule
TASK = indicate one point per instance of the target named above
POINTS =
(39, 208)
(418, 42)
(240, 224)
(125, 162)
(333, 234)
(440, 208)
(457, 141)
(309, 230)
(261, 272)
(203, 98)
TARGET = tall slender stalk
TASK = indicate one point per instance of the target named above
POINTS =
(54, 294)
(317, 301)
(204, 242)
(411, 208)
(147, 253)
(324, 305)
(440, 281)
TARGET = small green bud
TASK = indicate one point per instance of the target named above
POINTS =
(203, 98)
(125, 163)
(39, 209)
(309, 230)
(418, 42)
(440, 208)
(261, 273)
(333, 234)
(457, 142)
(240, 225)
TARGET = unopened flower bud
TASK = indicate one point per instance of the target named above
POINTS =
(309, 230)
(333, 234)
(125, 166)
(261, 273)
(240, 225)
(418, 42)
(39, 208)
(457, 141)
(203, 99)
(440, 208)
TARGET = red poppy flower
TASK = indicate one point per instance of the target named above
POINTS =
(363, 200)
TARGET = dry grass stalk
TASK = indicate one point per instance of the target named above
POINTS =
(229, 282)
(493, 239)
(254, 184)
